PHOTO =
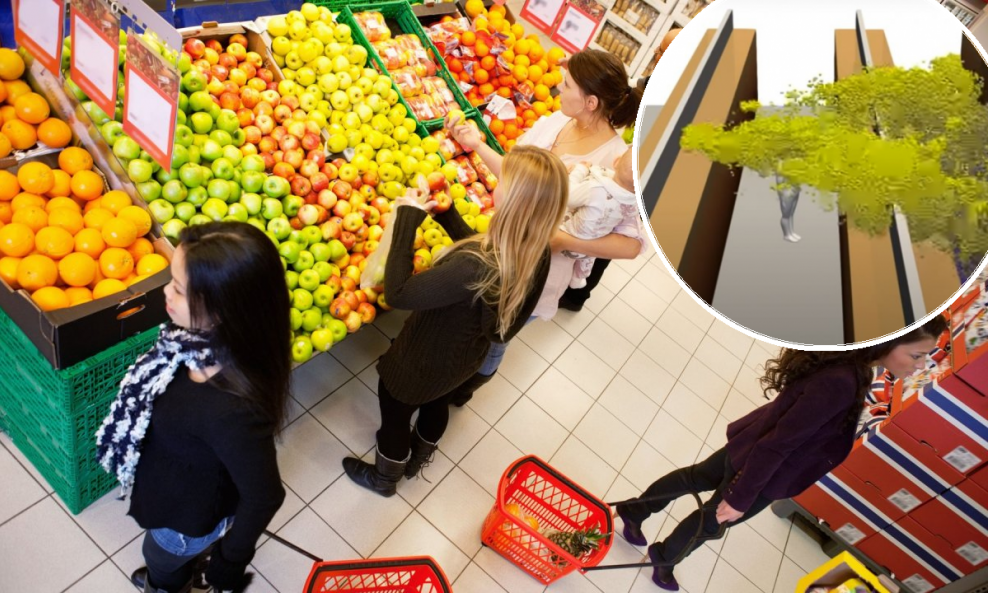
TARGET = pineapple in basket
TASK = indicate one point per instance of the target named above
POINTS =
(576, 543)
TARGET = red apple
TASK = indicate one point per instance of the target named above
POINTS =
(339, 308)
(252, 135)
(214, 45)
(227, 61)
(419, 264)
(254, 59)
(246, 117)
(263, 108)
(287, 143)
(279, 133)
(295, 158)
(317, 156)
(195, 48)
(296, 128)
(368, 192)
(318, 179)
(264, 74)
(375, 232)
(219, 72)
(355, 260)
(291, 101)
(371, 178)
(283, 169)
(267, 145)
(326, 199)
(341, 208)
(282, 113)
(443, 201)
(296, 223)
(348, 294)
(249, 97)
(237, 47)
(437, 181)
(353, 322)
(330, 229)
(257, 84)
(265, 123)
(300, 185)
(308, 213)
(310, 198)
(231, 87)
(347, 283)
(353, 222)
(311, 141)
(272, 97)
(331, 171)
(383, 205)
(372, 216)
(279, 155)
(342, 189)
(269, 161)
(308, 169)
(346, 237)
(339, 162)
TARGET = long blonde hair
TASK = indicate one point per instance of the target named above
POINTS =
(534, 191)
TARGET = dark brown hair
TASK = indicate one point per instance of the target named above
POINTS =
(602, 75)
(792, 365)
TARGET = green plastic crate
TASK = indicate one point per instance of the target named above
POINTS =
(472, 114)
(339, 5)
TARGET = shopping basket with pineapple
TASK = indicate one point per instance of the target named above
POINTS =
(549, 527)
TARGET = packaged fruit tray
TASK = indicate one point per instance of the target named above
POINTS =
(474, 115)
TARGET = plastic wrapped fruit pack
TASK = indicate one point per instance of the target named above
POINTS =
(373, 25)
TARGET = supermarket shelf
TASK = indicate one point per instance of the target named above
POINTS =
(629, 29)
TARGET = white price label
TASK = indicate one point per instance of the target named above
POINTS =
(544, 10)
(973, 553)
(962, 459)
(94, 61)
(145, 107)
(850, 534)
(575, 28)
(904, 500)
(41, 22)
(917, 584)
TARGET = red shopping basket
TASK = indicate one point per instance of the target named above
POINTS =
(556, 502)
(418, 574)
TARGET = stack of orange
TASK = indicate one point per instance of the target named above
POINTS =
(24, 115)
(64, 240)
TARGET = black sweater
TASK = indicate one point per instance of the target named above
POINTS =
(207, 456)
(445, 339)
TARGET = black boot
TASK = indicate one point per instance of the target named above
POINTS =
(140, 580)
(382, 477)
(422, 455)
(462, 394)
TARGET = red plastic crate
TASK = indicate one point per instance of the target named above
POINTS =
(553, 499)
(419, 574)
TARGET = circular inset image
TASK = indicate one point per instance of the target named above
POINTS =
(817, 172)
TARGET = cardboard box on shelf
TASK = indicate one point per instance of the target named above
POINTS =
(960, 516)
(849, 506)
(918, 559)
(980, 477)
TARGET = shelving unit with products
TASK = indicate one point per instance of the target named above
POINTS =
(965, 10)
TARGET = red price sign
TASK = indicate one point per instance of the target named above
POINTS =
(542, 13)
(38, 28)
(578, 24)
(95, 52)
(151, 102)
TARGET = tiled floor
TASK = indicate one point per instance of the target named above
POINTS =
(642, 381)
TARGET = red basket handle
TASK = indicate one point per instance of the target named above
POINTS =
(422, 561)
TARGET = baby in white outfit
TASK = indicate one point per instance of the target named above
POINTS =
(599, 200)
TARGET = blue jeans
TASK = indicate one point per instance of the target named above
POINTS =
(170, 555)
(494, 355)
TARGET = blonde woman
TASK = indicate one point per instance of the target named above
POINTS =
(483, 289)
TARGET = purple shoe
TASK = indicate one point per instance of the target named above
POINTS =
(662, 575)
(632, 531)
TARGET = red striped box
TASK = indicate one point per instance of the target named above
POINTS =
(959, 516)
(915, 557)
(848, 506)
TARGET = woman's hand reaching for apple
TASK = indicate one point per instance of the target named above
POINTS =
(468, 136)
(416, 198)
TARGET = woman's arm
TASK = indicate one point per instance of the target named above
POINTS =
(612, 246)
(454, 225)
(471, 139)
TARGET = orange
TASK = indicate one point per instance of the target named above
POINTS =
(140, 247)
(3, 92)
(12, 65)
(115, 263)
(6, 212)
(22, 135)
(454, 65)
(541, 92)
(501, 139)
(539, 108)
(509, 144)
(536, 52)
(542, 64)
(134, 279)
(74, 159)
(78, 295)
(8, 271)
(90, 242)
(77, 269)
(36, 271)
(510, 131)
(137, 215)
(33, 217)
(7, 112)
(481, 76)
(9, 186)
(108, 286)
(151, 264)
(50, 298)
(504, 92)
(535, 73)
(472, 7)
(119, 232)
(497, 9)
(91, 205)
(518, 30)
(522, 47)
(481, 49)
(520, 73)
(496, 126)
(468, 38)
(53, 241)
(486, 89)
(555, 54)
(528, 114)
(522, 60)
(60, 203)
(115, 201)
(27, 200)
(5, 146)
(66, 219)
(509, 56)
(32, 108)
(481, 24)
(55, 133)
(95, 219)
(87, 185)
(488, 63)
(35, 177)
(63, 184)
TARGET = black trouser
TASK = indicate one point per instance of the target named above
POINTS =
(714, 473)
(578, 296)
(166, 570)
(393, 439)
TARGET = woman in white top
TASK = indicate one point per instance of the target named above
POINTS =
(595, 102)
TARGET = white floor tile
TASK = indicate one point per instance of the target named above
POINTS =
(687, 304)
(617, 580)
(726, 578)
(285, 568)
(572, 583)
(748, 384)
(717, 437)
(645, 466)
(36, 538)
(718, 359)
(683, 331)
(737, 342)
(759, 353)
(465, 429)
(705, 383)
(648, 304)
(346, 506)
(370, 378)
(607, 343)
(507, 574)
(626, 321)
(491, 401)
(584, 467)
(457, 507)
(574, 322)
(691, 411)
(20, 490)
(664, 351)
(416, 534)
(316, 379)
(130, 558)
(106, 578)
(789, 575)
(107, 523)
(648, 377)
(531, 429)
(560, 398)
(584, 367)
(309, 457)
(11, 448)
(391, 322)
(546, 338)
(607, 436)
(361, 349)
(292, 506)
(774, 529)
(622, 490)
(474, 580)
(737, 405)
(415, 490)
(752, 556)
(615, 278)
(353, 414)
(673, 440)
(694, 572)
(599, 298)
(629, 405)
(658, 281)
(804, 548)
(487, 462)
(521, 365)
(631, 266)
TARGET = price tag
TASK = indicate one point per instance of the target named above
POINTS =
(38, 28)
(575, 29)
(962, 459)
(973, 553)
(151, 102)
(904, 500)
(917, 584)
(542, 13)
(95, 52)
(850, 534)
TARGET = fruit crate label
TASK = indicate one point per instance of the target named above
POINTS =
(962, 460)
(973, 553)
(904, 500)
(850, 533)
(917, 584)
(578, 25)
(151, 101)
(38, 29)
(95, 51)
(542, 13)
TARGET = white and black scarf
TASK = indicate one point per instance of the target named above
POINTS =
(118, 440)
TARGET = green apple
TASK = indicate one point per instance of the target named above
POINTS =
(222, 137)
(149, 191)
(324, 269)
(237, 212)
(112, 131)
(309, 280)
(184, 211)
(215, 208)
(312, 234)
(338, 329)
(280, 228)
(311, 319)
(161, 210)
(228, 121)
(299, 238)
(200, 101)
(173, 228)
(193, 81)
(201, 122)
(336, 249)
(291, 279)
(139, 171)
(222, 169)
(197, 196)
(191, 175)
(271, 208)
(211, 150)
(301, 346)
(252, 202)
(301, 298)
(252, 181)
(174, 191)
(277, 187)
(292, 204)
(290, 250)
(218, 189)
(252, 162)
(322, 339)
(295, 318)
(183, 135)
(233, 154)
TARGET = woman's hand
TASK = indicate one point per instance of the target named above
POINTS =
(467, 136)
(726, 513)
(416, 198)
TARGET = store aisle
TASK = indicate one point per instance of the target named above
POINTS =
(641, 380)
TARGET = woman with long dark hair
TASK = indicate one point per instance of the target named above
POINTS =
(780, 449)
(217, 381)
